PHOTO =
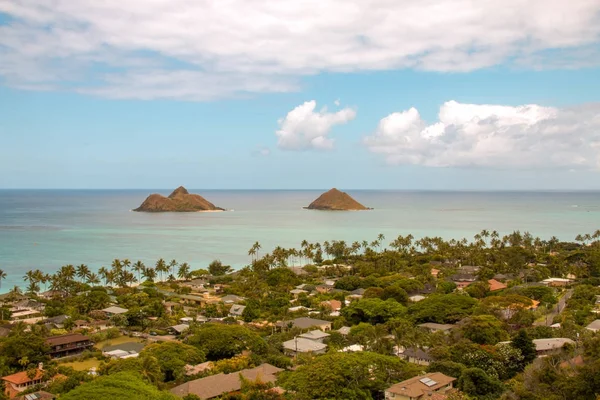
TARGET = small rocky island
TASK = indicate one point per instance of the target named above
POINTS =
(178, 201)
(335, 200)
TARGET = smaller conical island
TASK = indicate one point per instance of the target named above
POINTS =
(335, 200)
(178, 201)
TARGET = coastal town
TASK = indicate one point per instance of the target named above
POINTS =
(511, 317)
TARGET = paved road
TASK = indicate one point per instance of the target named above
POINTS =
(560, 306)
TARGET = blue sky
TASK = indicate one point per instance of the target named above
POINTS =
(85, 103)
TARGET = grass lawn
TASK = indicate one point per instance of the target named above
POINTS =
(83, 365)
(119, 340)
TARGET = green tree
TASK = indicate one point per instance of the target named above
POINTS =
(172, 358)
(349, 376)
(523, 343)
(119, 386)
(217, 268)
(445, 308)
(374, 311)
(225, 341)
(475, 382)
(2, 277)
(484, 329)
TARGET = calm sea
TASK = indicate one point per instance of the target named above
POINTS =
(48, 228)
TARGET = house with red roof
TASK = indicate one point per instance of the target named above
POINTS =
(16, 383)
(496, 285)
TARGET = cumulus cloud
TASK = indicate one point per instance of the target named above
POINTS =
(178, 48)
(303, 128)
(528, 136)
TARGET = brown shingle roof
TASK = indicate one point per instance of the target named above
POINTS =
(66, 339)
(414, 387)
(216, 385)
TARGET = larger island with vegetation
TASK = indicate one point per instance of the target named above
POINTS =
(497, 317)
(180, 200)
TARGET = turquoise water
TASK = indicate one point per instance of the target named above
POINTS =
(48, 228)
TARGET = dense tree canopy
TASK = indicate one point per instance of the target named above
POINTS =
(443, 308)
(120, 386)
(350, 376)
(225, 341)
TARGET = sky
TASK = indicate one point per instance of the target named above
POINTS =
(269, 94)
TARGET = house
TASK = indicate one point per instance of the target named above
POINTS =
(435, 272)
(298, 308)
(27, 315)
(594, 326)
(416, 356)
(358, 292)
(16, 383)
(556, 282)
(179, 329)
(434, 327)
(316, 335)
(68, 345)
(544, 347)
(469, 269)
(462, 280)
(236, 310)
(123, 350)
(324, 288)
(171, 306)
(41, 395)
(56, 322)
(301, 345)
(416, 298)
(97, 325)
(306, 323)
(114, 310)
(420, 387)
(297, 292)
(231, 298)
(496, 285)
(344, 330)
(332, 305)
(191, 370)
(353, 348)
(220, 384)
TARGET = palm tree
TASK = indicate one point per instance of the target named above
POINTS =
(172, 266)
(103, 272)
(252, 253)
(184, 271)
(257, 247)
(93, 279)
(149, 273)
(160, 267)
(83, 272)
(2, 276)
(138, 267)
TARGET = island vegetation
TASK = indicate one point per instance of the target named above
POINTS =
(502, 317)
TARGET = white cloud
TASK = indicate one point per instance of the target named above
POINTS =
(252, 46)
(529, 136)
(304, 128)
(261, 151)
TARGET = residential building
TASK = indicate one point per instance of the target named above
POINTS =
(41, 395)
(556, 282)
(114, 310)
(231, 299)
(332, 305)
(297, 292)
(56, 322)
(236, 310)
(416, 356)
(548, 346)
(302, 345)
(496, 285)
(344, 330)
(306, 323)
(123, 350)
(462, 280)
(420, 387)
(594, 326)
(68, 345)
(316, 335)
(220, 384)
(191, 370)
(434, 327)
(179, 329)
(16, 383)
(416, 298)
(435, 272)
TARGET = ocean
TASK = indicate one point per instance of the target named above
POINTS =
(46, 229)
